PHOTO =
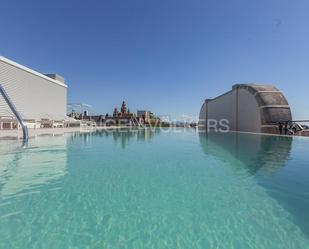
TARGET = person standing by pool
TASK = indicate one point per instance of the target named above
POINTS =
(280, 128)
(286, 128)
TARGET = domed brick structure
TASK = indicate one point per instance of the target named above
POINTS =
(247, 108)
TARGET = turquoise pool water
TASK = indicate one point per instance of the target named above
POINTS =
(145, 189)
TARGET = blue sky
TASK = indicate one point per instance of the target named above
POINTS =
(162, 55)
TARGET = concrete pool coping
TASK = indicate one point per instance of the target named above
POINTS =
(17, 134)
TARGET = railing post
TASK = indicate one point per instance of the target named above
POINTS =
(16, 113)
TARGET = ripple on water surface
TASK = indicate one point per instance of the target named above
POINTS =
(145, 189)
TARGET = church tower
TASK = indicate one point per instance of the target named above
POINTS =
(123, 108)
(115, 114)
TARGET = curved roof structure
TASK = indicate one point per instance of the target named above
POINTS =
(248, 107)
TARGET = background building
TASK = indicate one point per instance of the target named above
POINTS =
(40, 99)
(248, 107)
(124, 117)
(144, 116)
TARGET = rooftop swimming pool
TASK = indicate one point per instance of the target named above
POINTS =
(155, 189)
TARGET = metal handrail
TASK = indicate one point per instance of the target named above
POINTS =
(289, 121)
(15, 112)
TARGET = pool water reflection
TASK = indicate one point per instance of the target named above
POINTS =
(152, 189)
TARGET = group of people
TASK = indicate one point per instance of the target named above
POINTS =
(286, 127)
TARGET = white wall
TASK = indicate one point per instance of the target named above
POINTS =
(224, 107)
(34, 95)
(202, 116)
(244, 116)
(249, 118)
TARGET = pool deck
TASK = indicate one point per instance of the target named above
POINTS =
(18, 134)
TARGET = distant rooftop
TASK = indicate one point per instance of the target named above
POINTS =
(55, 77)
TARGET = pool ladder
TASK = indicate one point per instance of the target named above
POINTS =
(16, 113)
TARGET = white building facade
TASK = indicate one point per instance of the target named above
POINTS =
(36, 96)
